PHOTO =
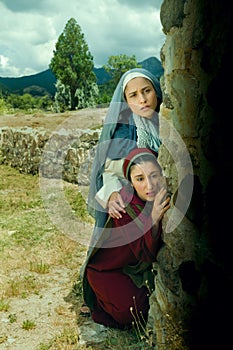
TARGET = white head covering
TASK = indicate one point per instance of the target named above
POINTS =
(133, 75)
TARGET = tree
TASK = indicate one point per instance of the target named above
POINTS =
(72, 63)
(62, 98)
(118, 65)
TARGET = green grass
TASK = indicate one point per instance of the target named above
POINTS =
(4, 304)
(27, 325)
(31, 243)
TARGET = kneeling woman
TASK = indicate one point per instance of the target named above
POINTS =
(117, 274)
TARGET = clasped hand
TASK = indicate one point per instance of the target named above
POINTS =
(115, 205)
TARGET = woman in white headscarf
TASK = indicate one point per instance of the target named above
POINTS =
(132, 121)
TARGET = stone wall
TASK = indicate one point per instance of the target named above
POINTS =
(192, 303)
(64, 153)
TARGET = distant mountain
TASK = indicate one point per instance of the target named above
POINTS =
(43, 83)
(152, 64)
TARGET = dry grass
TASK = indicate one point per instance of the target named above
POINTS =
(37, 259)
(87, 118)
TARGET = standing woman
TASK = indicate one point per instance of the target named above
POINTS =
(132, 121)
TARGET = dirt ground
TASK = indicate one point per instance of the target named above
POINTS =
(50, 307)
(43, 312)
(48, 310)
(87, 118)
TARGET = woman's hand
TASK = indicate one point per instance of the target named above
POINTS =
(115, 205)
(160, 206)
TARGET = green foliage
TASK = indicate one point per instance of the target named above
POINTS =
(25, 102)
(117, 66)
(62, 99)
(4, 305)
(87, 98)
(2, 105)
(72, 64)
(43, 102)
(105, 94)
(27, 325)
(12, 318)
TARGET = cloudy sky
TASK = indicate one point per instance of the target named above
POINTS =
(29, 30)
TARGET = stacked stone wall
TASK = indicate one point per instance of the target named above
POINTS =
(193, 295)
(66, 153)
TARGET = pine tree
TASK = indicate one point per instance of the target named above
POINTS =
(72, 64)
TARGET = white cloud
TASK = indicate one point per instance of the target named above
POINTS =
(6, 66)
(30, 29)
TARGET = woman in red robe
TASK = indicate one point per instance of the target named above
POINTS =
(117, 275)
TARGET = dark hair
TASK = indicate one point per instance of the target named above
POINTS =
(159, 101)
(142, 159)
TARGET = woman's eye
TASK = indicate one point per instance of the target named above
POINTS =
(156, 176)
(132, 95)
(140, 179)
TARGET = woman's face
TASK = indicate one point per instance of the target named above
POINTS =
(146, 179)
(141, 97)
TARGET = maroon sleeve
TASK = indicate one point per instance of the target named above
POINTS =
(139, 239)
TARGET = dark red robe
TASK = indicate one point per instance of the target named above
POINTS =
(119, 302)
